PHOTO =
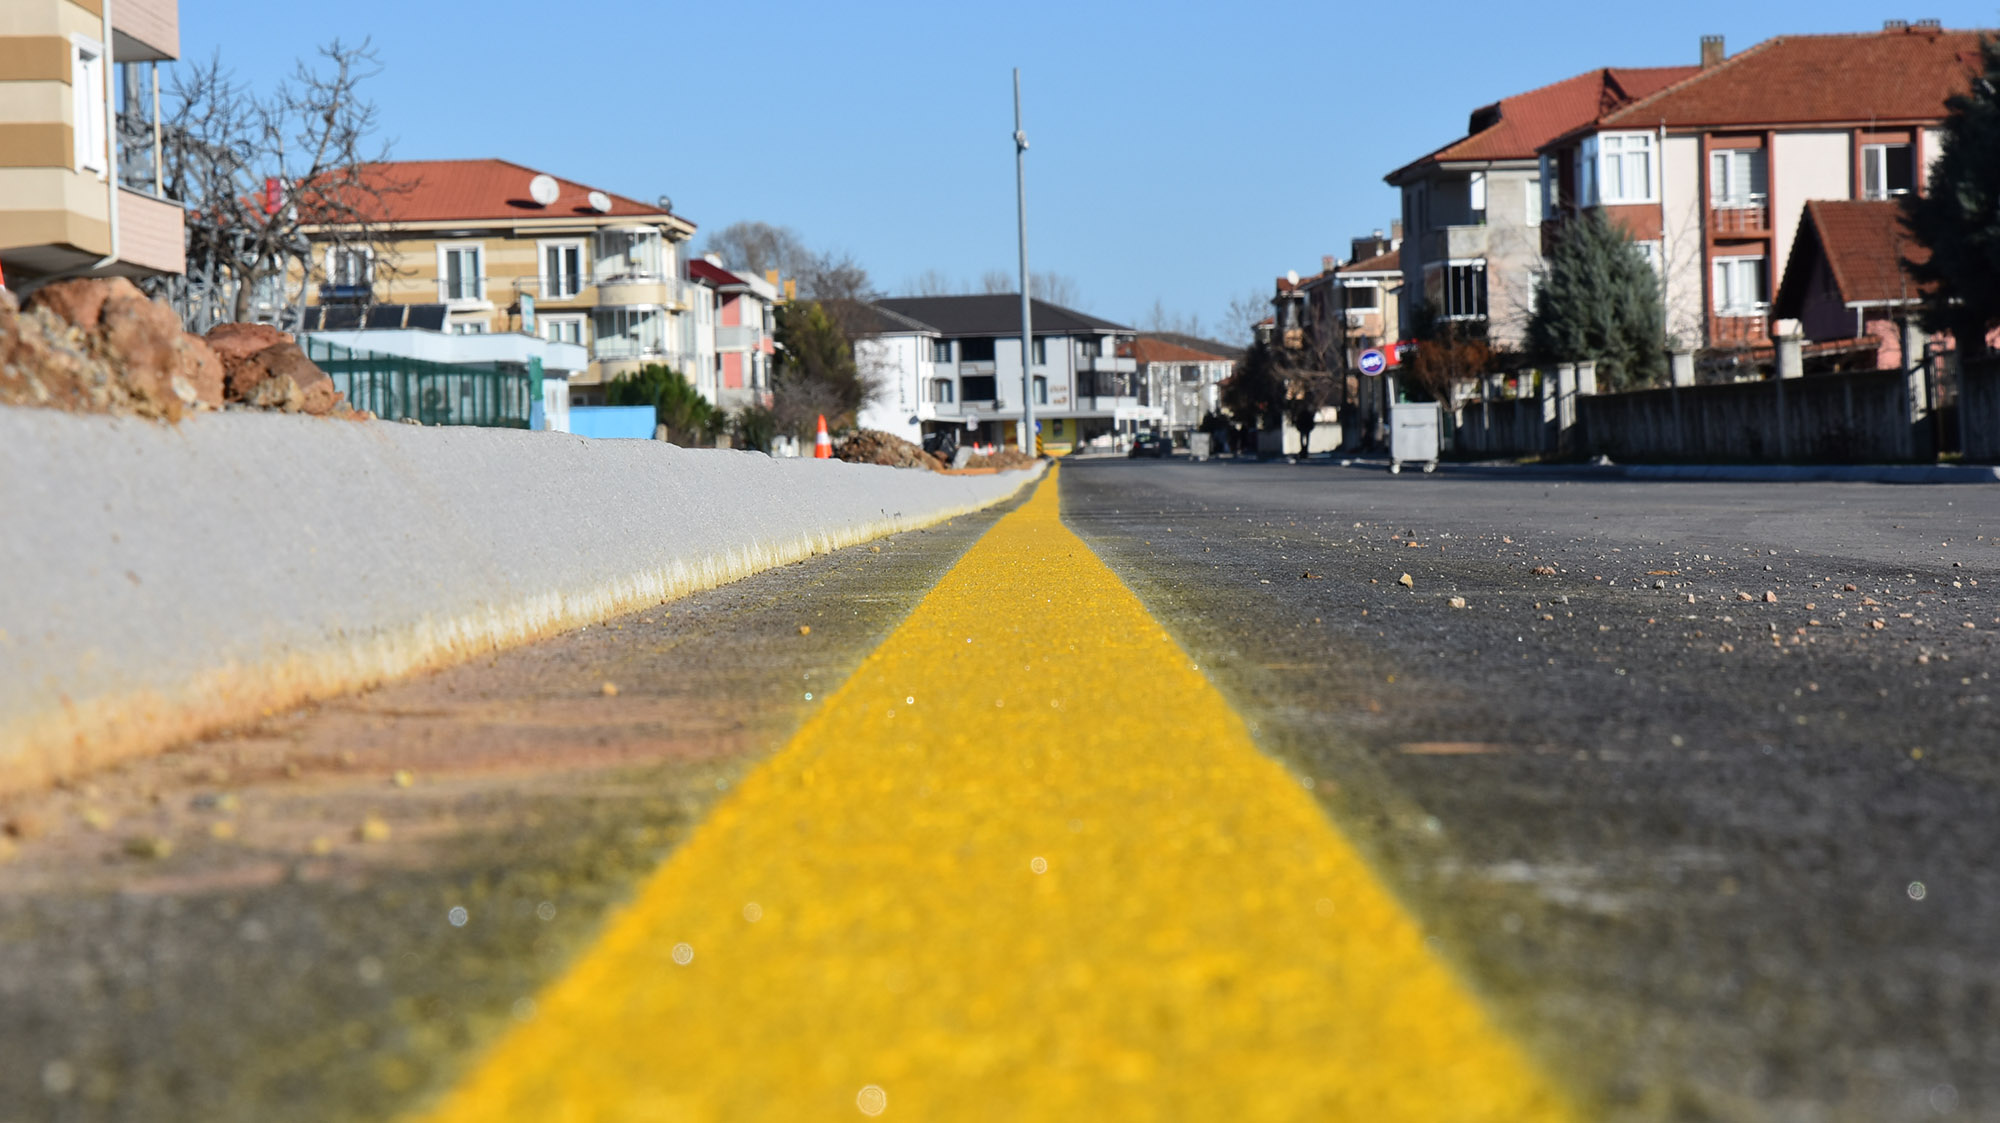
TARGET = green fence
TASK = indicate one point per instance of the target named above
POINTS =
(395, 388)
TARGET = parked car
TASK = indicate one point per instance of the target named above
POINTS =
(1151, 444)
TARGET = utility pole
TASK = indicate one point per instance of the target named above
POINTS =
(1027, 313)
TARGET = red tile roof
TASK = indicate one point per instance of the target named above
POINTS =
(1820, 79)
(703, 270)
(1391, 262)
(1865, 245)
(1160, 351)
(468, 190)
(1515, 127)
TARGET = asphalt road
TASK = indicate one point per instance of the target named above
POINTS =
(1712, 854)
(1708, 859)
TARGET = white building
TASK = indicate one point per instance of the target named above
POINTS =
(955, 362)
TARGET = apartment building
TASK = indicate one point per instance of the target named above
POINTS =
(956, 362)
(81, 190)
(506, 248)
(1712, 175)
(1472, 210)
(1182, 378)
(741, 343)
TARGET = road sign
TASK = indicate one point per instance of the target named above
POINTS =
(1373, 362)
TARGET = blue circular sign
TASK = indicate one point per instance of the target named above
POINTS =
(1373, 362)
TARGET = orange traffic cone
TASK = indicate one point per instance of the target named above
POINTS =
(822, 444)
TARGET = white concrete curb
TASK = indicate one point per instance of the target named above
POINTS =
(157, 582)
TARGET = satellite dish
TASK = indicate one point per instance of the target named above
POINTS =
(1292, 276)
(543, 189)
(666, 204)
(600, 202)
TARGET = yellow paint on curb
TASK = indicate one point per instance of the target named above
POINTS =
(1026, 864)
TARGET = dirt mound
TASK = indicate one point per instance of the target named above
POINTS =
(872, 446)
(1004, 459)
(99, 345)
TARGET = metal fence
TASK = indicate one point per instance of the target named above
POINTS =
(395, 388)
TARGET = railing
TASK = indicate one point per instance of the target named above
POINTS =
(618, 347)
(395, 388)
(1749, 215)
(737, 337)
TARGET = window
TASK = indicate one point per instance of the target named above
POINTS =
(1041, 351)
(562, 270)
(350, 266)
(1739, 286)
(1887, 170)
(1041, 389)
(562, 329)
(1475, 192)
(1361, 297)
(1465, 290)
(459, 273)
(86, 74)
(1190, 374)
(941, 353)
(1736, 178)
(1624, 163)
(941, 390)
(1533, 191)
(468, 327)
(975, 350)
(980, 388)
(1651, 252)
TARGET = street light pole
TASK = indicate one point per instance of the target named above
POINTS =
(1027, 313)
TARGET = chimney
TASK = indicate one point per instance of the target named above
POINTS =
(1396, 231)
(1712, 51)
(1326, 263)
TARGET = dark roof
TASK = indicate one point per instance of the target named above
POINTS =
(1515, 128)
(996, 314)
(1896, 75)
(1865, 246)
(1196, 343)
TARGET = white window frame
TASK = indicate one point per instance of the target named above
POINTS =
(89, 69)
(444, 252)
(941, 351)
(1724, 288)
(367, 254)
(1622, 150)
(943, 391)
(470, 327)
(1532, 189)
(1737, 178)
(1476, 197)
(1486, 295)
(547, 323)
(1654, 253)
(1875, 158)
(549, 289)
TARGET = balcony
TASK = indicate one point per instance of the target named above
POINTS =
(737, 338)
(1107, 364)
(150, 232)
(1450, 243)
(146, 31)
(1747, 216)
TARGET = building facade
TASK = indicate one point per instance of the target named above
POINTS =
(955, 362)
(1472, 210)
(1712, 175)
(81, 191)
(740, 347)
(506, 248)
(1182, 381)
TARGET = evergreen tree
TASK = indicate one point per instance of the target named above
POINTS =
(1958, 217)
(676, 403)
(816, 372)
(1600, 302)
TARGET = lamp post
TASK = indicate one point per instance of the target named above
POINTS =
(1027, 312)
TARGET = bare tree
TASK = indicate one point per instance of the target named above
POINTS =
(257, 174)
(1240, 318)
(932, 282)
(1056, 288)
(758, 247)
(1158, 319)
(996, 282)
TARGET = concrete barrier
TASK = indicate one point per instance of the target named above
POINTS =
(158, 582)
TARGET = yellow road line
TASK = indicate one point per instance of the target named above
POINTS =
(1026, 864)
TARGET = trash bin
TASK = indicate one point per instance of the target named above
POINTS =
(1415, 431)
(1198, 446)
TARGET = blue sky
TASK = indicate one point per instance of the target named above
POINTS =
(1184, 153)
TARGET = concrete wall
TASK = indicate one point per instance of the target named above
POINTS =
(1504, 428)
(165, 581)
(1683, 258)
(1804, 165)
(1843, 418)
